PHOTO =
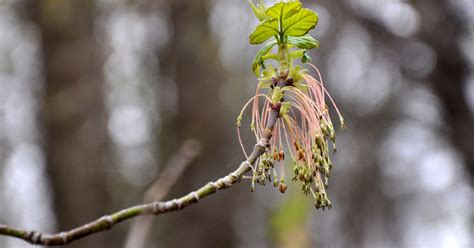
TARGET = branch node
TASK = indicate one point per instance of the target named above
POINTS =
(234, 177)
(108, 220)
(168, 205)
(63, 236)
(227, 181)
(34, 237)
(220, 184)
(157, 208)
(213, 187)
(176, 204)
(195, 196)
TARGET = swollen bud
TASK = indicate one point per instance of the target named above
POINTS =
(282, 186)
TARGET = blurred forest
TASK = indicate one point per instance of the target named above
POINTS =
(97, 97)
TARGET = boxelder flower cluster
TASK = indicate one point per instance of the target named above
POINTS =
(304, 129)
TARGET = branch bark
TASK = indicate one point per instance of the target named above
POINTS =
(155, 208)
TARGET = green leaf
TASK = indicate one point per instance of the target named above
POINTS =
(297, 53)
(304, 42)
(284, 10)
(300, 23)
(257, 61)
(264, 31)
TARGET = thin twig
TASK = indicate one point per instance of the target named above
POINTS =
(176, 165)
(156, 208)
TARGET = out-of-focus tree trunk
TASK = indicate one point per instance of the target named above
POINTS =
(441, 28)
(447, 80)
(192, 60)
(74, 114)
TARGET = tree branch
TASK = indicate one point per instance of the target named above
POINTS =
(154, 208)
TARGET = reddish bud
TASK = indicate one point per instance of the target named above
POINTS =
(282, 187)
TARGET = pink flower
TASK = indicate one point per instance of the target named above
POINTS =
(304, 131)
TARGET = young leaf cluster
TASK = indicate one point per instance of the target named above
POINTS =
(285, 23)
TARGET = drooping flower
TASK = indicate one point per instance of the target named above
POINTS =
(303, 134)
(304, 131)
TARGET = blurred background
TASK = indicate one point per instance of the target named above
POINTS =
(99, 97)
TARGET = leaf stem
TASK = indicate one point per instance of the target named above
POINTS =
(284, 58)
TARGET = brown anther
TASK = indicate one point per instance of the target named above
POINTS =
(282, 187)
(289, 82)
(275, 155)
(301, 155)
(281, 155)
(301, 176)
